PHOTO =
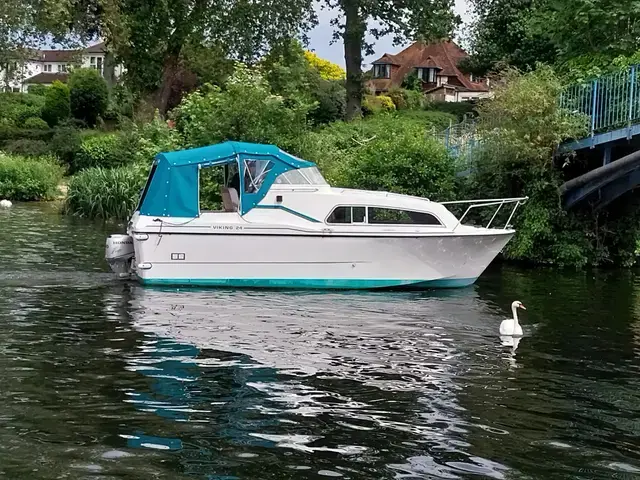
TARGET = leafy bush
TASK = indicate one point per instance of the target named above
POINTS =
(24, 179)
(105, 193)
(89, 95)
(335, 146)
(12, 133)
(57, 104)
(245, 110)
(459, 109)
(409, 164)
(35, 123)
(331, 102)
(39, 90)
(101, 151)
(15, 108)
(66, 143)
(375, 104)
(27, 147)
(406, 99)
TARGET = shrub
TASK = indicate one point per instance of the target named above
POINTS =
(39, 90)
(409, 164)
(101, 151)
(331, 102)
(407, 99)
(336, 145)
(35, 123)
(245, 110)
(375, 104)
(459, 109)
(12, 133)
(105, 193)
(27, 147)
(15, 108)
(56, 106)
(66, 143)
(89, 95)
(25, 179)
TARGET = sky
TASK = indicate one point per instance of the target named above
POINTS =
(321, 36)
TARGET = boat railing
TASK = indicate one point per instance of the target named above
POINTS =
(498, 203)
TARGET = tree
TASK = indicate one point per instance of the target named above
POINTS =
(505, 33)
(89, 95)
(18, 36)
(578, 27)
(56, 103)
(155, 41)
(404, 19)
(326, 69)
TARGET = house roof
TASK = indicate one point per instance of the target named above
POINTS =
(97, 48)
(387, 59)
(46, 78)
(57, 55)
(68, 55)
(445, 55)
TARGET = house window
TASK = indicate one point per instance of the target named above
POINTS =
(431, 75)
(381, 71)
(471, 77)
(62, 68)
(427, 75)
(99, 67)
(392, 216)
(47, 68)
(92, 62)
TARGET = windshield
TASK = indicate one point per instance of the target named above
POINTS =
(303, 176)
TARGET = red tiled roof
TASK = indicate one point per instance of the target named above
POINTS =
(47, 78)
(445, 55)
(387, 58)
(97, 48)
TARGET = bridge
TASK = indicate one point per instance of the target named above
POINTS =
(610, 150)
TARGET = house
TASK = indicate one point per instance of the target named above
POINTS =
(43, 67)
(436, 66)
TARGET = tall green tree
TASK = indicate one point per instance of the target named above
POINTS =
(160, 42)
(404, 19)
(18, 36)
(506, 32)
(578, 27)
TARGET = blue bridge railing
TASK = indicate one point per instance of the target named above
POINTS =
(460, 139)
(611, 101)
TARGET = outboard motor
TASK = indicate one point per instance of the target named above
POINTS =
(119, 254)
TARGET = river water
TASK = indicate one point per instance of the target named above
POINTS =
(101, 379)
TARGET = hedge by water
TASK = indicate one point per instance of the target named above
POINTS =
(28, 178)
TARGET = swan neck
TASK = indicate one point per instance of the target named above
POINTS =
(515, 313)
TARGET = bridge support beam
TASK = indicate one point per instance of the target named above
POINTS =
(607, 156)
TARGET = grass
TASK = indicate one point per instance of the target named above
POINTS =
(105, 193)
(29, 178)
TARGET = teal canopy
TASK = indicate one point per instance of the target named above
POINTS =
(172, 189)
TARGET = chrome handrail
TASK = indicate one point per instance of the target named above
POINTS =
(499, 202)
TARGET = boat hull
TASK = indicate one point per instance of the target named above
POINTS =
(315, 261)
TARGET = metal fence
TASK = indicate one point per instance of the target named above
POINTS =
(460, 139)
(611, 101)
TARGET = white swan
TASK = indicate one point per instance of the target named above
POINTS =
(511, 327)
(5, 204)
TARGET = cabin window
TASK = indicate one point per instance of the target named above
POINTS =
(392, 216)
(381, 71)
(255, 171)
(358, 214)
(304, 176)
(340, 215)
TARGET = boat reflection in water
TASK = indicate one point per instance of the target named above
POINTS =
(246, 372)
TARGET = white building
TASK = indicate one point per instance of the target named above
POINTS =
(44, 67)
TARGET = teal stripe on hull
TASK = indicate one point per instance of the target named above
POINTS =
(308, 283)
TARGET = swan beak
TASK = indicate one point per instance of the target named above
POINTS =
(522, 307)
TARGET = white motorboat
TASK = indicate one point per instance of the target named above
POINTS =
(283, 226)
